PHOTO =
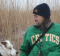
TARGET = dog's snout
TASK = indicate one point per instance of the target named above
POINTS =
(16, 52)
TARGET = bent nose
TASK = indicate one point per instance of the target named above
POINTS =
(16, 52)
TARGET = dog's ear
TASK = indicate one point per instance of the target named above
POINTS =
(4, 43)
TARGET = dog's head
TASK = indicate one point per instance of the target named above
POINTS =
(6, 49)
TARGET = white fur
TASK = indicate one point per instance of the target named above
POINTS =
(9, 45)
(7, 51)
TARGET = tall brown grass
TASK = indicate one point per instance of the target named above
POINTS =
(15, 21)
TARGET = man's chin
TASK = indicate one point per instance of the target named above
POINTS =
(37, 24)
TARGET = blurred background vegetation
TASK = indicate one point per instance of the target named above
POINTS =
(16, 17)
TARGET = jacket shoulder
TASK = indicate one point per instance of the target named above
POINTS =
(57, 25)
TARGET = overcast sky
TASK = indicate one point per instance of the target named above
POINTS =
(33, 3)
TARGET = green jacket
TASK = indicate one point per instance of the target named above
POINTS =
(50, 42)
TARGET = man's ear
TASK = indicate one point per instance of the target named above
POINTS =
(4, 43)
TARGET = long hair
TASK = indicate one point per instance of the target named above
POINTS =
(45, 23)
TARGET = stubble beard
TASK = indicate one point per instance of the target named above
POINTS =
(38, 24)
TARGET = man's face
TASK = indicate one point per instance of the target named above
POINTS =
(38, 19)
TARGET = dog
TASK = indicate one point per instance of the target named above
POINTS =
(6, 49)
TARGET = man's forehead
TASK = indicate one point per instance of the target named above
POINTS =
(35, 15)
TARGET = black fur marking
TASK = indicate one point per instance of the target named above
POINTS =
(0, 54)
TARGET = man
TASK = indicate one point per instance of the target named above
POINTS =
(50, 43)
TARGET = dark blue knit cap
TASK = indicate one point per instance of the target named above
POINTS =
(42, 10)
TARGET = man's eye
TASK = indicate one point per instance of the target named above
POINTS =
(35, 16)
